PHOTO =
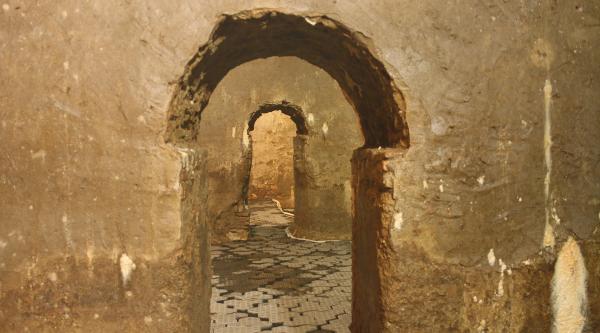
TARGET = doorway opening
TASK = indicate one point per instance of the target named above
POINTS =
(271, 281)
(369, 89)
(272, 171)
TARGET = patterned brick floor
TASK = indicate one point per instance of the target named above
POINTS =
(272, 283)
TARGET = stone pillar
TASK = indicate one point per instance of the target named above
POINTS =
(196, 240)
(400, 287)
(322, 198)
(371, 198)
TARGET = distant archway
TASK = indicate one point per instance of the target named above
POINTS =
(368, 87)
(321, 41)
(291, 110)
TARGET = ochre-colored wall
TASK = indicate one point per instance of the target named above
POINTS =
(85, 175)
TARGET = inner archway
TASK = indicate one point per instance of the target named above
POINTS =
(272, 280)
(366, 85)
(272, 172)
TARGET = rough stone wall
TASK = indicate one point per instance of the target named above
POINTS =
(272, 174)
(409, 290)
(322, 177)
(84, 172)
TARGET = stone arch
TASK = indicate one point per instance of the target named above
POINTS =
(319, 40)
(291, 110)
(368, 87)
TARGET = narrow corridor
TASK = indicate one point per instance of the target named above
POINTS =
(273, 283)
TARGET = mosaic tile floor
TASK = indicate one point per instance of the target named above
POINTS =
(272, 283)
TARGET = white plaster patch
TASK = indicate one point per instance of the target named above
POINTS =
(96, 316)
(310, 119)
(5, 7)
(148, 320)
(491, 257)
(309, 21)
(569, 298)
(398, 221)
(127, 267)
(482, 326)
(245, 137)
(325, 128)
(64, 14)
(548, 229)
(555, 217)
(549, 240)
(66, 65)
(185, 157)
(441, 188)
(425, 184)
(500, 290)
(439, 126)
(233, 129)
(40, 154)
(90, 253)
(502, 265)
(67, 231)
(481, 180)
(66, 109)
(52, 276)
(141, 119)
(3, 244)
(164, 308)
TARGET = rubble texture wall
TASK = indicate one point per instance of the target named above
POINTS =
(503, 115)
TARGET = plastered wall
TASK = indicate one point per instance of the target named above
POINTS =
(85, 176)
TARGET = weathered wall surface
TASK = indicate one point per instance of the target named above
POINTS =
(323, 201)
(85, 176)
(322, 183)
(272, 175)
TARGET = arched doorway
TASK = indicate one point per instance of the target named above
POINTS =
(295, 114)
(367, 86)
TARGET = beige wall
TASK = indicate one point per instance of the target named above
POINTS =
(85, 175)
